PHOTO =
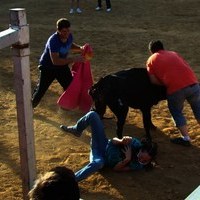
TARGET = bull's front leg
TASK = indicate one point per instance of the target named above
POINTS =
(146, 113)
(119, 128)
(100, 108)
(121, 113)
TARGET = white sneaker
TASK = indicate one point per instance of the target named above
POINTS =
(108, 9)
(78, 10)
(71, 11)
(98, 8)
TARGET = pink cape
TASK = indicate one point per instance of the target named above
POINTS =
(76, 95)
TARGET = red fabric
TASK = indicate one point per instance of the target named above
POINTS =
(76, 95)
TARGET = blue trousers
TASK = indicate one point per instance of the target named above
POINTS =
(176, 103)
(98, 144)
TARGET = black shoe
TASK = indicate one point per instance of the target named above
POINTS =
(180, 141)
(70, 129)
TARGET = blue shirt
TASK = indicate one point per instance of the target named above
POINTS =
(115, 155)
(55, 45)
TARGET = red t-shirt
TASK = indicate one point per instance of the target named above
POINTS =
(171, 70)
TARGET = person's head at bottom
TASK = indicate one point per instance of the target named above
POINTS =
(147, 153)
(57, 184)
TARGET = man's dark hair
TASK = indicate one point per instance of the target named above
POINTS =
(62, 23)
(155, 46)
(59, 183)
(152, 149)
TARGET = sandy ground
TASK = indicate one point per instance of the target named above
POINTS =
(119, 40)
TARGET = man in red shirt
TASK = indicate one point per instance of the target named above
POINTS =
(171, 70)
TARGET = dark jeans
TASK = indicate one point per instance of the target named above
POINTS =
(176, 103)
(47, 76)
(108, 4)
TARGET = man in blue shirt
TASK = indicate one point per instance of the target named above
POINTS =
(54, 61)
(119, 154)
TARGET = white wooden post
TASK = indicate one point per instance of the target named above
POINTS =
(18, 36)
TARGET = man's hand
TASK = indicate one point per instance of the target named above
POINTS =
(127, 152)
(123, 165)
(126, 140)
(79, 59)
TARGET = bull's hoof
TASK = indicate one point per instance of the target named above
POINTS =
(153, 128)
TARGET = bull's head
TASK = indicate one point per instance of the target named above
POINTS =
(98, 94)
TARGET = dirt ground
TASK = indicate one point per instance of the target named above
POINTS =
(120, 41)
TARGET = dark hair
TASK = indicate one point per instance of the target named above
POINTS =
(152, 149)
(59, 183)
(155, 46)
(62, 23)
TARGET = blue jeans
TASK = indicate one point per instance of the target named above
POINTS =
(176, 103)
(98, 144)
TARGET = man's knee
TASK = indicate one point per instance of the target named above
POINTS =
(93, 115)
(98, 164)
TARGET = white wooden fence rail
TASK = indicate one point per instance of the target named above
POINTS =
(17, 36)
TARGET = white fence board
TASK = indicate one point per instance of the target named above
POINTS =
(8, 37)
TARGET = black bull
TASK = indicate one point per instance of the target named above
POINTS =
(124, 89)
